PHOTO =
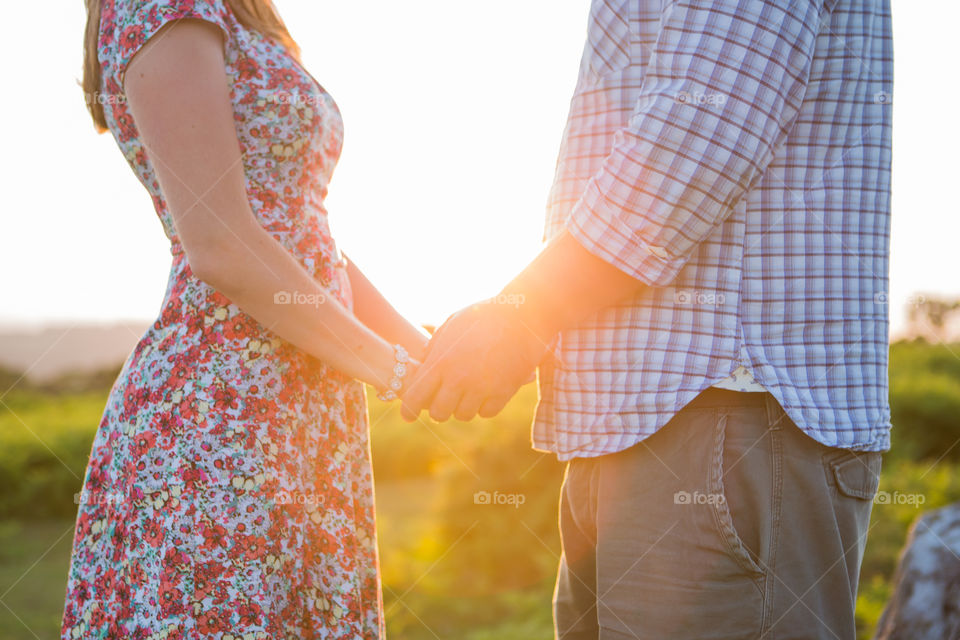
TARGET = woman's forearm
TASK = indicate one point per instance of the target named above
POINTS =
(376, 312)
(179, 96)
(250, 267)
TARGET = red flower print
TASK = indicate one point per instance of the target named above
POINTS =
(131, 39)
(237, 328)
(247, 69)
(105, 582)
(212, 621)
(144, 442)
(153, 534)
(171, 599)
(193, 477)
(125, 125)
(225, 398)
(205, 579)
(214, 537)
(174, 558)
(251, 547)
(179, 374)
(258, 410)
(283, 77)
(267, 198)
(250, 613)
(189, 409)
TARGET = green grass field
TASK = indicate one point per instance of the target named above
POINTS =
(451, 568)
(34, 556)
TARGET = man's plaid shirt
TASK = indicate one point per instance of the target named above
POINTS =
(735, 157)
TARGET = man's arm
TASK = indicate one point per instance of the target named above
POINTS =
(559, 288)
(722, 89)
(565, 284)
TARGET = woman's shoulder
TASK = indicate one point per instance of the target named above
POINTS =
(127, 25)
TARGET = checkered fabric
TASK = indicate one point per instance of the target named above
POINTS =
(734, 156)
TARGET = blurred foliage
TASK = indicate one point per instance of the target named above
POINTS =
(45, 442)
(925, 400)
(469, 578)
(928, 315)
(453, 566)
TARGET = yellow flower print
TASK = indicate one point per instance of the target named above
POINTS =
(164, 498)
(248, 483)
(286, 150)
(219, 315)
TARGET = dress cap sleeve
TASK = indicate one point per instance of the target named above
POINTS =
(129, 24)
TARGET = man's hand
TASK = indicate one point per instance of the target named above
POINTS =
(479, 358)
(475, 363)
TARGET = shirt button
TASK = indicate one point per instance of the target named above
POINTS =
(660, 252)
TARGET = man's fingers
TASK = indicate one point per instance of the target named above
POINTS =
(469, 406)
(493, 406)
(434, 339)
(437, 334)
(419, 394)
(444, 402)
(408, 414)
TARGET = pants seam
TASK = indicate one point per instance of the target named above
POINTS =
(775, 417)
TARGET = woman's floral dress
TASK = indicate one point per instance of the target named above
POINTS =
(229, 491)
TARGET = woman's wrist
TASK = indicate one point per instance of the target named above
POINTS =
(399, 374)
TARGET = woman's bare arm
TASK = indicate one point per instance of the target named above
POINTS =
(177, 92)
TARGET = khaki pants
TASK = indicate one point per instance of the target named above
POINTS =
(729, 523)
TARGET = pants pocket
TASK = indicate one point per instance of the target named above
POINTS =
(663, 569)
(854, 474)
(723, 516)
(854, 478)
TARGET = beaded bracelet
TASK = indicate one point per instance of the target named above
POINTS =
(399, 371)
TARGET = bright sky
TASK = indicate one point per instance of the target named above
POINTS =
(453, 115)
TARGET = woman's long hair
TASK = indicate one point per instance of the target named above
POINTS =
(259, 15)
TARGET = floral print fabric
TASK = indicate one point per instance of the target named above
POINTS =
(229, 489)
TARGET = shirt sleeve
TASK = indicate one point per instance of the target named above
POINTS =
(136, 21)
(722, 88)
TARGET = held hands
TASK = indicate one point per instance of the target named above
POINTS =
(475, 363)
(479, 358)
